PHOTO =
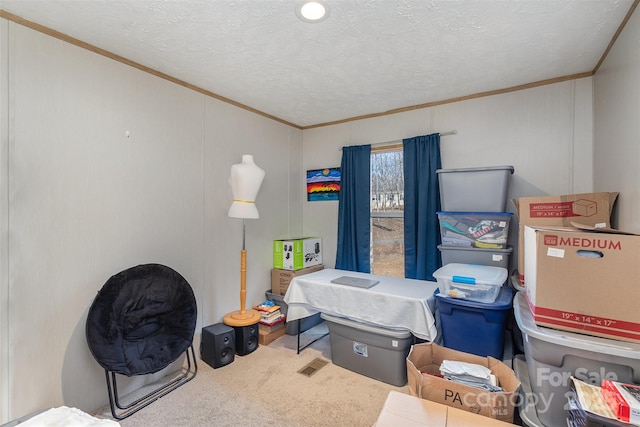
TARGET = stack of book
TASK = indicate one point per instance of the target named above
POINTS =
(271, 317)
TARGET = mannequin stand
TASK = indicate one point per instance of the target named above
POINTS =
(242, 317)
(236, 318)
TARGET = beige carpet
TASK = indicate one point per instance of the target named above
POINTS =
(265, 388)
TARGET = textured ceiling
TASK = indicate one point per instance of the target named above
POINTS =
(367, 57)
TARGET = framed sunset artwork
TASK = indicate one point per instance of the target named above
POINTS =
(323, 184)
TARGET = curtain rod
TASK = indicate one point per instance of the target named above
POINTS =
(399, 141)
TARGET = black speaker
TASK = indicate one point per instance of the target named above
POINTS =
(246, 339)
(217, 345)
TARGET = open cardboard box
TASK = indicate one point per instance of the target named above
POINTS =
(561, 211)
(405, 410)
(423, 364)
(584, 280)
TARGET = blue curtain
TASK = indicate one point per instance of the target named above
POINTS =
(354, 225)
(421, 157)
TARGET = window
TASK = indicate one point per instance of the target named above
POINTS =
(387, 212)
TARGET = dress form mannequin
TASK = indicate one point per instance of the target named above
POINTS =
(246, 179)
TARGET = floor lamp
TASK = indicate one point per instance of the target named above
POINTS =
(246, 179)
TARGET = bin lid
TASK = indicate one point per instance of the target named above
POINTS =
(486, 214)
(502, 302)
(524, 319)
(472, 274)
(476, 169)
(378, 330)
(506, 250)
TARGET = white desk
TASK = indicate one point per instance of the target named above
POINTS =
(394, 303)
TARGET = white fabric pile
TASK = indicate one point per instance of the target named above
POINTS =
(64, 416)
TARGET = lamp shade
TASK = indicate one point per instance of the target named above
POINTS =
(245, 181)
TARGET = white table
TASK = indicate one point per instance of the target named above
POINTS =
(394, 303)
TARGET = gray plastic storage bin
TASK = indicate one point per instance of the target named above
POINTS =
(553, 356)
(526, 410)
(373, 351)
(292, 327)
(482, 256)
(474, 189)
(487, 230)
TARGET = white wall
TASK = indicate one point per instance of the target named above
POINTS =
(617, 125)
(544, 132)
(83, 201)
(4, 220)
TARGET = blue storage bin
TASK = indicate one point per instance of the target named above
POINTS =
(475, 327)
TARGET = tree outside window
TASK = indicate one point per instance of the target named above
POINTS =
(387, 213)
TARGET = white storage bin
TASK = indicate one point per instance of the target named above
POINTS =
(473, 282)
(553, 356)
(483, 189)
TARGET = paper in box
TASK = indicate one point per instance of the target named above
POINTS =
(584, 281)
(423, 364)
(561, 211)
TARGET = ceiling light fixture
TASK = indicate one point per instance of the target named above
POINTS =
(312, 10)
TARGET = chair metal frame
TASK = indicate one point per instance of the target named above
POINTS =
(144, 401)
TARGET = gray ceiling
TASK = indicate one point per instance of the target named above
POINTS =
(367, 57)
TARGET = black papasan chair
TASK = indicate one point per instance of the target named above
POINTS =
(142, 320)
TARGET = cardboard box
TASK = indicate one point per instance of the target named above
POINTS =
(583, 281)
(561, 211)
(296, 254)
(425, 359)
(266, 338)
(405, 410)
(280, 279)
(272, 328)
